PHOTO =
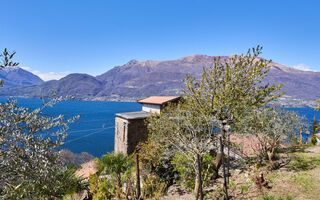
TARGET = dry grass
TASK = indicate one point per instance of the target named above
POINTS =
(298, 180)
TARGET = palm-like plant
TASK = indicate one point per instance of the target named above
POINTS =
(117, 166)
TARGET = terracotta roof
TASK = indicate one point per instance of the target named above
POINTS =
(159, 99)
(87, 169)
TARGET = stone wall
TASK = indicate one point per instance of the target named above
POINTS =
(121, 135)
(137, 132)
(128, 134)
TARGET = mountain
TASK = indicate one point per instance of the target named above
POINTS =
(78, 85)
(140, 79)
(15, 76)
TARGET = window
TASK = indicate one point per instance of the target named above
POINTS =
(124, 131)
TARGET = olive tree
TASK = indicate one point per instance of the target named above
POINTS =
(271, 127)
(185, 132)
(229, 86)
(6, 61)
(30, 166)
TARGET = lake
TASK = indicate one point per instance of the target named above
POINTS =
(94, 131)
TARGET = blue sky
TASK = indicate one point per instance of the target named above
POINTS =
(56, 37)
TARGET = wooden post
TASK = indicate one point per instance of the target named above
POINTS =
(228, 167)
(138, 176)
(224, 170)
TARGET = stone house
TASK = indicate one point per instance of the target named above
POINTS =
(130, 128)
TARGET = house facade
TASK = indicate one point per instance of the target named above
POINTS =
(130, 127)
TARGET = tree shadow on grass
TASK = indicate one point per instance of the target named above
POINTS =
(303, 162)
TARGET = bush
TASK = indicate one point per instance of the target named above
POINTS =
(30, 166)
(314, 140)
(101, 188)
(115, 169)
(153, 187)
(155, 159)
(186, 173)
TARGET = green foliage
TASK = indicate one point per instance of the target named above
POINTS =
(301, 162)
(187, 174)
(29, 163)
(220, 96)
(101, 188)
(153, 187)
(115, 164)
(157, 159)
(318, 107)
(271, 197)
(69, 183)
(314, 126)
(271, 127)
(231, 85)
(6, 59)
(115, 169)
(30, 166)
(184, 131)
(314, 140)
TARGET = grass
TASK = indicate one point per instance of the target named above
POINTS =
(271, 197)
(303, 161)
(299, 179)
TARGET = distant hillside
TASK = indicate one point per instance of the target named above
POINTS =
(15, 76)
(140, 79)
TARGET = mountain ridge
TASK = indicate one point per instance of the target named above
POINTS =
(16, 76)
(137, 79)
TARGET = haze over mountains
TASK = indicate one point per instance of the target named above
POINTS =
(136, 79)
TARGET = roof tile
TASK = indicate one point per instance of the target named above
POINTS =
(159, 99)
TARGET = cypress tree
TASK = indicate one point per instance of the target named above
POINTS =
(314, 126)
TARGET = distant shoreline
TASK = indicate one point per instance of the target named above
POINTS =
(82, 99)
(284, 101)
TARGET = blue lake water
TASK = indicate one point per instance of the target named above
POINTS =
(94, 131)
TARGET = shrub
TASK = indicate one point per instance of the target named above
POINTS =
(314, 140)
(155, 159)
(153, 187)
(186, 173)
(101, 188)
(115, 169)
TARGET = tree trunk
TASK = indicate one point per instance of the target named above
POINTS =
(224, 168)
(270, 158)
(228, 159)
(119, 188)
(198, 184)
(218, 163)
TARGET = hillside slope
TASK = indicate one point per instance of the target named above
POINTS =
(140, 79)
(15, 76)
